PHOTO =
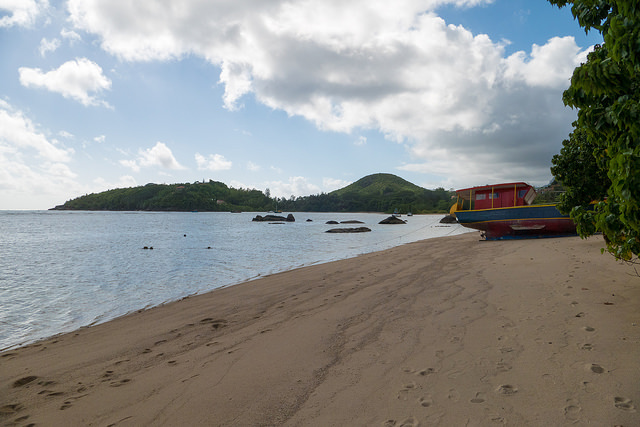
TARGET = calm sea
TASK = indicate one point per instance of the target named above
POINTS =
(60, 270)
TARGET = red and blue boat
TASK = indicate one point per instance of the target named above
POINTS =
(504, 211)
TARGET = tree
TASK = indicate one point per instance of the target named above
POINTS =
(581, 168)
(605, 91)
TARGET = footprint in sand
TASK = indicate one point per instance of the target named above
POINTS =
(480, 398)
(24, 381)
(596, 369)
(404, 393)
(407, 422)
(586, 346)
(425, 372)
(10, 409)
(426, 401)
(503, 366)
(507, 389)
(624, 404)
(589, 329)
(120, 383)
(572, 410)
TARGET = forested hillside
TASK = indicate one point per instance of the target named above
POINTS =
(211, 196)
(373, 193)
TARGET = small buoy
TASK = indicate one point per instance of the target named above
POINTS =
(185, 235)
(208, 247)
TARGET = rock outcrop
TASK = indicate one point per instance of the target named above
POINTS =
(272, 218)
(392, 220)
(448, 219)
(349, 230)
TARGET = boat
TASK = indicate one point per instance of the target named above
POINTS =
(504, 211)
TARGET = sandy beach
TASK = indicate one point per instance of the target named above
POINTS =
(450, 331)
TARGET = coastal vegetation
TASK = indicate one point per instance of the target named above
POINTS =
(601, 159)
(373, 193)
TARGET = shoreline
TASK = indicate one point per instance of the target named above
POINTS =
(113, 271)
(442, 331)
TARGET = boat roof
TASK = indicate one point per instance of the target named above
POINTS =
(495, 187)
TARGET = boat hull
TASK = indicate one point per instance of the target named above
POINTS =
(519, 222)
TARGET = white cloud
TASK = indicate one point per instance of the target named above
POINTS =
(253, 167)
(47, 46)
(214, 162)
(18, 133)
(158, 155)
(21, 13)
(550, 65)
(79, 79)
(131, 164)
(295, 185)
(33, 168)
(331, 184)
(362, 140)
(70, 35)
(100, 139)
(395, 67)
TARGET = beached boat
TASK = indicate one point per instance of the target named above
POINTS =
(504, 211)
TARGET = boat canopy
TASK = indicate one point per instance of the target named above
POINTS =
(495, 196)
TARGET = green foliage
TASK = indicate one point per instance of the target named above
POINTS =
(211, 196)
(605, 90)
(374, 193)
(581, 167)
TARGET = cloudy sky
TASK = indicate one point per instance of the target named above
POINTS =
(298, 96)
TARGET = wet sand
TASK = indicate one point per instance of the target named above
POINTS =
(450, 331)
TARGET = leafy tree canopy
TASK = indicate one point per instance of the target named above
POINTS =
(606, 136)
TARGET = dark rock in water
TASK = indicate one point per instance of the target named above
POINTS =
(309, 220)
(392, 220)
(448, 219)
(349, 230)
(332, 222)
(272, 218)
(351, 221)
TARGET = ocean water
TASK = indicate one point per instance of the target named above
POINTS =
(61, 270)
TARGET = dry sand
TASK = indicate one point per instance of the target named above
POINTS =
(449, 331)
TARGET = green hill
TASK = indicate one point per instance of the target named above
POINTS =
(373, 193)
(380, 184)
(211, 196)
(381, 192)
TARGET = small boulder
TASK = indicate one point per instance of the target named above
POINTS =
(272, 218)
(351, 221)
(392, 220)
(448, 219)
(332, 222)
(349, 230)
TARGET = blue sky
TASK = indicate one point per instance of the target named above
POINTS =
(298, 96)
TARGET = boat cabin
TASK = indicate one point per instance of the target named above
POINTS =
(495, 196)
